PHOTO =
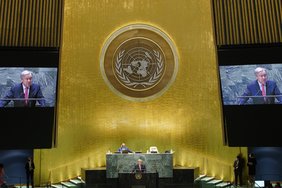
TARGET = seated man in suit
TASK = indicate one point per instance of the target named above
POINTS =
(261, 91)
(24, 94)
(123, 148)
(139, 167)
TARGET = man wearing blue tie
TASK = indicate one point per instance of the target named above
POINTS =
(261, 91)
(24, 94)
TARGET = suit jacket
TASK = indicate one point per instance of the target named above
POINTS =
(238, 165)
(124, 148)
(253, 89)
(252, 165)
(17, 92)
(136, 168)
(29, 170)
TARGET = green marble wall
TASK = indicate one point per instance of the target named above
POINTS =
(124, 163)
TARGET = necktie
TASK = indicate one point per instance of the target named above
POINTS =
(140, 167)
(26, 96)
(263, 90)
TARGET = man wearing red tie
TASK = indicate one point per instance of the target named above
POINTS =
(262, 90)
(139, 167)
(24, 94)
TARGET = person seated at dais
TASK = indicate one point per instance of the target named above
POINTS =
(123, 148)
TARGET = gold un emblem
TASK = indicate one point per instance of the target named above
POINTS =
(139, 62)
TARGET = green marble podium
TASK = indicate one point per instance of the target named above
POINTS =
(124, 163)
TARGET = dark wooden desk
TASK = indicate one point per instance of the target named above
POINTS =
(131, 180)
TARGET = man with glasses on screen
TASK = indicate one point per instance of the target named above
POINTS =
(24, 94)
(261, 91)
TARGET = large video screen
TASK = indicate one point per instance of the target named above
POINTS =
(250, 78)
(251, 84)
(28, 97)
(41, 84)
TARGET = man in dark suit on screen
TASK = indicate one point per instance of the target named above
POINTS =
(24, 94)
(261, 91)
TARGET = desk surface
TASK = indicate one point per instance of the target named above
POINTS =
(124, 163)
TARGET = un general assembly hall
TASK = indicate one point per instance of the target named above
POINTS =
(140, 93)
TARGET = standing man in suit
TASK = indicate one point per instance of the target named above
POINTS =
(238, 170)
(261, 91)
(139, 167)
(29, 169)
(252, 162)
(25, 93)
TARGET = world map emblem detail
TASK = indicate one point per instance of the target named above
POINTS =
(139, 62)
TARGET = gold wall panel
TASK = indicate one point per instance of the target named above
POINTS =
(247, 21)
(30, 23)
(92, 119)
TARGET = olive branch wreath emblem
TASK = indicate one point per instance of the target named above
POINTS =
(138, 176)
(153, 79)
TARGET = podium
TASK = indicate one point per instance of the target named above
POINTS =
(124, 163)
(138, 180)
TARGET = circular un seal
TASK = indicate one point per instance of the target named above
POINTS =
(139, 62)
(138, 176)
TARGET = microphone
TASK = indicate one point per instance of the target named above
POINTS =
(247, 97)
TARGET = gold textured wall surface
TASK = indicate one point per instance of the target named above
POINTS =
(30, 23)
(247, 21)
(92, 119)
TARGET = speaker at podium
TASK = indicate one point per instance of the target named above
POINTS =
(138, 180)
